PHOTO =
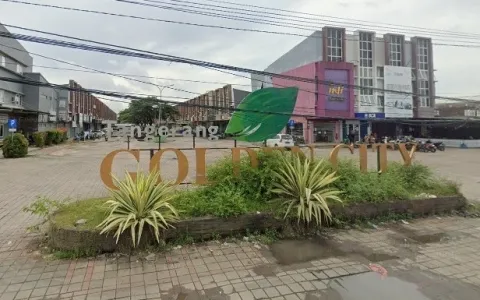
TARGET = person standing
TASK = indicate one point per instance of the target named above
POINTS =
(351, 136)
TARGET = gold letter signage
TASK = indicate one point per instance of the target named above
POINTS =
(201, 168)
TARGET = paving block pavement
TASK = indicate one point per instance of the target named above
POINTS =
(446, 248)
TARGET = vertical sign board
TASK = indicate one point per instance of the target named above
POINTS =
(338, 96)
(12, 125)
(398, 105)
(291, 124)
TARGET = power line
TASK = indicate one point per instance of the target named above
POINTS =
(102, 72)
(164, 57)
(330, 17)
(97, 71)
(274, 16)
(134, 97)
(131, 75)
(205, 25)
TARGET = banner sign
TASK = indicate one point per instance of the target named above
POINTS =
(369, 116)
(398, 105)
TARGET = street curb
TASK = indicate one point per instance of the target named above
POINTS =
(207, 227)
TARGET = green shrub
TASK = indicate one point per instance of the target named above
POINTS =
(64, 135)
(397, 183)
(305, 189)
(252, 183)
(15, 146)
(39, 139)
(57, 137)
(49, 137)
(218, 201)
(251, 191)
(137, 203)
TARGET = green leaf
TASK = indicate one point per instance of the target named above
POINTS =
(262, 114)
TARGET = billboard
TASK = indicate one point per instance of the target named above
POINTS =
(398, 105)
(337, 92)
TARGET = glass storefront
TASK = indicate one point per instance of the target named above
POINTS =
(324, 132)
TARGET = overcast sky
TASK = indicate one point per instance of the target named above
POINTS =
(457, 67)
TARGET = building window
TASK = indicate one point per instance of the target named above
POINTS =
(3, 62)
(366, 49)
(1, 130)
(424, 93)
(422, 54)
(395, 50)
(334, 44)
(367, 86)
(380, 100)
(19, 69)
(380, 72)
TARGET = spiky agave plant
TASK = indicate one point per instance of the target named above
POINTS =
(305, 186)
(139, 202)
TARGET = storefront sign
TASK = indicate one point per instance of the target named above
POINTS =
(364, 116)
(398, 105)
(338, 95)
(201, 167)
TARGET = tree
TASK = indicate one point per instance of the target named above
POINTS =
(124, 116)
(145, 112)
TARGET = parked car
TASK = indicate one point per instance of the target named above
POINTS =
(281, 140)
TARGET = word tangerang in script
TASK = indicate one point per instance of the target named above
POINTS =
(151, 131)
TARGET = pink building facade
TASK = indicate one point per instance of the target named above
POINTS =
(322, 106)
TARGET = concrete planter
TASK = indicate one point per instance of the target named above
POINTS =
(208, 227)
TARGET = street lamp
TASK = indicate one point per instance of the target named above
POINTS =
(160, 89)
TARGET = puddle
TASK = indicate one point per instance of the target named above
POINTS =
(379, 257)
(181, 293)
(421, 238)
(412, 285)
(289, 252)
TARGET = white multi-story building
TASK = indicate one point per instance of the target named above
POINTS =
(392, 63)
(369, 67)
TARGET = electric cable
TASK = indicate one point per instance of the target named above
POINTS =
(164, 57)
(203, 25)
(134, 97)
(324, 16)
(274, 17)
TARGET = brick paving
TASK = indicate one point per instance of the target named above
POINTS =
(446, 248)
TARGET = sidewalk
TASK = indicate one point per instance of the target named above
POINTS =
(429, 258)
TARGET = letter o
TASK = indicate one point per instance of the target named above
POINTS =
(181, 159)
(106, 167)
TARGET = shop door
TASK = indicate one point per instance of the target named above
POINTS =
(324, 132)
(349, 127)
(363, 128)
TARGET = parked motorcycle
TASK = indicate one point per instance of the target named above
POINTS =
(426, 147)
(298, 140)
(439, 145)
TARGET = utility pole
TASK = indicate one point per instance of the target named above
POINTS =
(160, 89)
